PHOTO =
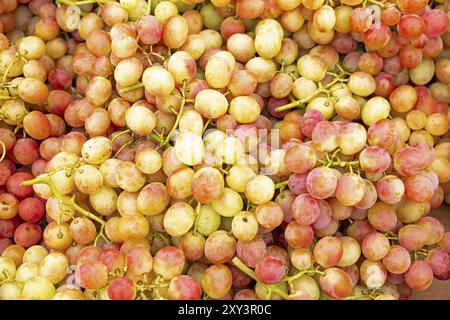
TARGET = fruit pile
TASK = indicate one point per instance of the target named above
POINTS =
(223, 149)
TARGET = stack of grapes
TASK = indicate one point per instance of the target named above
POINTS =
(223, 149)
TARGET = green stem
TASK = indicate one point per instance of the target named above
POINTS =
(156, 137)
(64, 200)
(356, 297)
(132, 87)
(271, 288)
(342, 164)
(206, 126)
(122, 147)
(281, 184)
(119, 134)
(315, 93)
(197, 215)
(3, 151)
(78, 3)
(149, 7)
(177, 120)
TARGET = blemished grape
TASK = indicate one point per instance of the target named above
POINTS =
(336, 283)
(328, 251)
(270, 270)
(375, 246)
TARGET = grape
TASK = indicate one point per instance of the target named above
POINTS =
(375, 246)
(192, 244)
(369, 198)
(377, 37)
(321, 183)
(336, 283)
(305, 209)
(11, 291)
(245, 294)
(359, 229)
(444, 242)
(435, 23)
(270, 270)
(27, 234)
(8, 268)
(410, 211)
(328, 251)
(26, 151)
(433, 227)
(122, 288)
(184, 288)
(216, 281)
(139, 260)
(104, 201)
(419, 276)
(382, 217)
(251, 252)
(38, 288)
(325, 136)
(297, 152)
(179, 183)
(88, 179)
(34, 254)
(129, 177)
(439, 261)
(374, 159)
(339, 211)
(390, 189)
(168, 262)
(96, 150)
(178, 219)
(412, 237)
(325, 216)
(54, 267)
(419, 188)
(351, 252)
(298, 236)
(220, 247)
(208, 220)
(373, 274)
(269, 215)
(260, 189)
(350, 189)
(297, 184)
(92, 275)
(113, 259)
(362, 83)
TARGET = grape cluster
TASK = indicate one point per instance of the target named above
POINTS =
(223, 149)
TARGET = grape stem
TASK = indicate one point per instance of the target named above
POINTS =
(281, 184)
(122, 147)
(381, 4)
(149, 7)
(197, 215)
(133, 87)
(61, 199)
(5, 75)
(119, 134)
(3, 150)
(322, 89)
(177, 120)
(269, 287)
(79, 3)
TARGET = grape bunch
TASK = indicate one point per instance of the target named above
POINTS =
(223, 149)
